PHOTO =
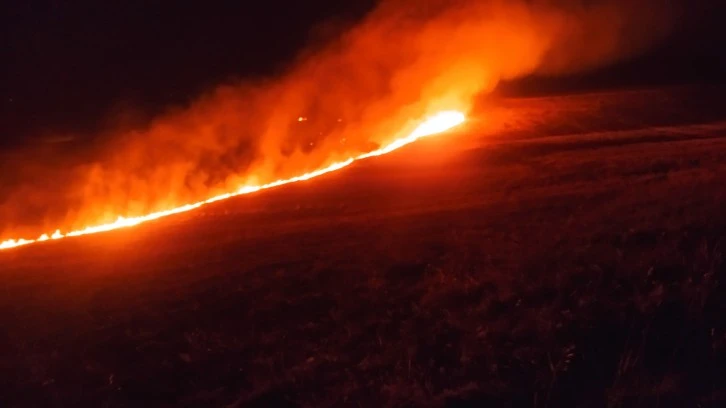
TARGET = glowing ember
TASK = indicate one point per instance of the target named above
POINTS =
(435, 124)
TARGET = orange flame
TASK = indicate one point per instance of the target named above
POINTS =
(438, 123)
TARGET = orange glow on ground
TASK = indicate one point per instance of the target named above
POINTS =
(437, 123)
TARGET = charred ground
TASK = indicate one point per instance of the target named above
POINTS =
(564, 251)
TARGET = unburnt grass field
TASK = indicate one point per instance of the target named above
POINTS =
(555, 251)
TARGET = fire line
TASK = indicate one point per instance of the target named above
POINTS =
(437, 123)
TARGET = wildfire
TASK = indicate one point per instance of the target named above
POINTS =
(438, 123)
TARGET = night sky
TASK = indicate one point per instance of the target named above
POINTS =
(70, 64)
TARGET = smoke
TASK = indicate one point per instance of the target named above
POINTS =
(405, 60)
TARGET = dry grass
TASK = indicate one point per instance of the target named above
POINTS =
(573, 271)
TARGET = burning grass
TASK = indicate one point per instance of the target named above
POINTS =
(588, 276)
(438, 123)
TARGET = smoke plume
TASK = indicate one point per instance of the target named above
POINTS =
(404, 60)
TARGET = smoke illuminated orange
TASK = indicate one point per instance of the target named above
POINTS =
(253, 131)
(438, 123)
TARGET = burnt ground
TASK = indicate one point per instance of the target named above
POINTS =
(555, 251)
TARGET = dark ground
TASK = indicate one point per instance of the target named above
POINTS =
(563, 251)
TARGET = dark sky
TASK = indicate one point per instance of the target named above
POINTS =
(69, 63)
(693, 53)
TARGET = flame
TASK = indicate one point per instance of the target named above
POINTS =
(437, 123)
(251, 131)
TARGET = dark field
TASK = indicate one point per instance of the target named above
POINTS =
(554, 251)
